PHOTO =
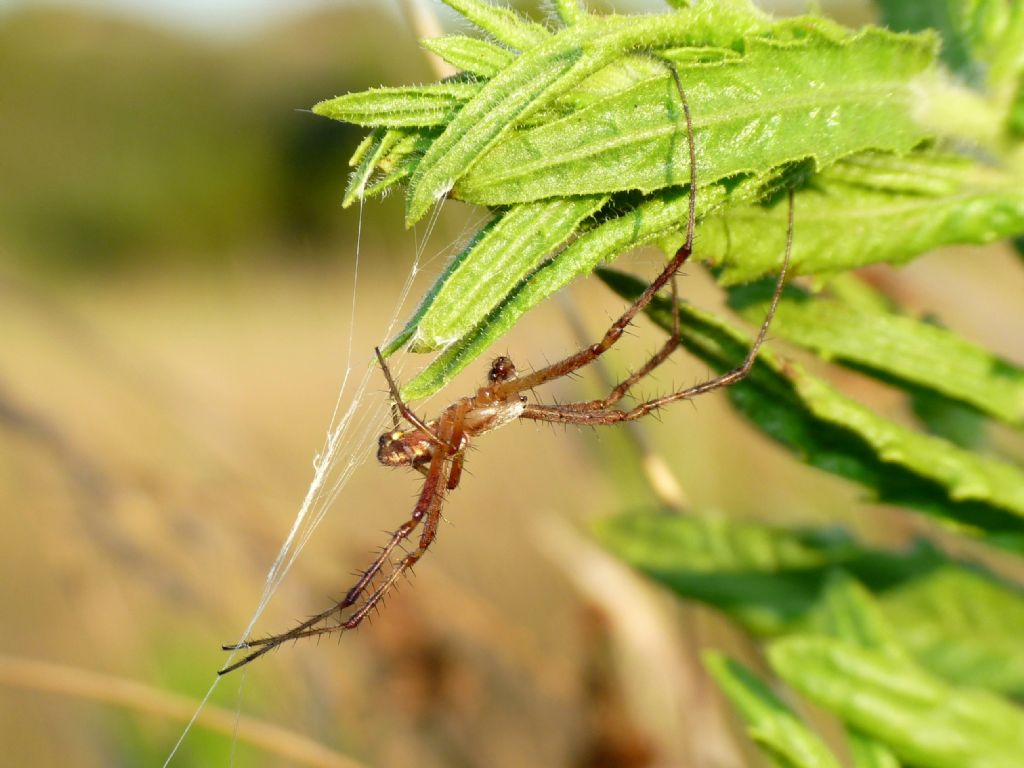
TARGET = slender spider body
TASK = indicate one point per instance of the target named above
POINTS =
(437, 448)
(487, 410)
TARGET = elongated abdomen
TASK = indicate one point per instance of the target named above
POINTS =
(404, 449)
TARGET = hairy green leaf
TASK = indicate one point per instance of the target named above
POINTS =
(654, 218)
(778, 103)
(407, 106)
(924, 721)
(828, 430)
(505, 25)
(893, 346)
(470, 54)
(770, 723)
(869, 209)
(366, 158)
(570, 11)
(509, 247)
(543, 73)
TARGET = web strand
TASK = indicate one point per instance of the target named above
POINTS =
(346, 445)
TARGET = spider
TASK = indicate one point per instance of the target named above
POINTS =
(437, 448)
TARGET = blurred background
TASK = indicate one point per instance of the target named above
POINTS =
(176, 309)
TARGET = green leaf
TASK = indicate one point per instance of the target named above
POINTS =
(778, 103)
(366, 158)
(543, 73)
(399, 150)
(470, 54)
(870, 753)
(924, 721)
(962, 625)
(847, 611)
(664, 213)
(895, 347)
(983, 40)
(830, 431)
(869, 209)
(1016, 119)
(956, 621)
(507, 26)
(766, 578)
(371, 140)
(949, 419)
(570, 11)
(787, 741)
(995, 29)
(407, 106)
(938, 15)
(499, 256)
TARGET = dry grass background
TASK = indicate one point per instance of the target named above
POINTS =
(157, 428)
(157, 438)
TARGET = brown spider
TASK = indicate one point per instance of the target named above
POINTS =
(437, 448)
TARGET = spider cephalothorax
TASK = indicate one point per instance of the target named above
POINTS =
(482, 412)
(437, 448)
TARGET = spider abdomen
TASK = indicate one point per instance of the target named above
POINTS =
(404, 449)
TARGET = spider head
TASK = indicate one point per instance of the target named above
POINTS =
(502, 369)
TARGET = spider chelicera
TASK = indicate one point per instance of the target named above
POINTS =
(437, 448)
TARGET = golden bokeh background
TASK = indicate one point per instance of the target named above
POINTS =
(176, 282)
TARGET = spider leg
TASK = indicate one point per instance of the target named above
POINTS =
(595, 411)
(614, 333)
(456, 472)
(398, 403)
(459, 457)
(427, 507)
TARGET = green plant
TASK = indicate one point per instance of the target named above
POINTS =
(572, 138)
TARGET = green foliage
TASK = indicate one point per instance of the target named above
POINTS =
(778, 103)
(574, 136)
(835, 433)
(955, 620)
(886, 343)
(787, 742)
(925, 721)
(891, 209)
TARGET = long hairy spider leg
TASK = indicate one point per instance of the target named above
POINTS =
(430, 526)
(432, 515)
(614, 333)
(659, 357)
(459, 457)
(399, 403)
(582, 413)
(456, 473)
(435, 481)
